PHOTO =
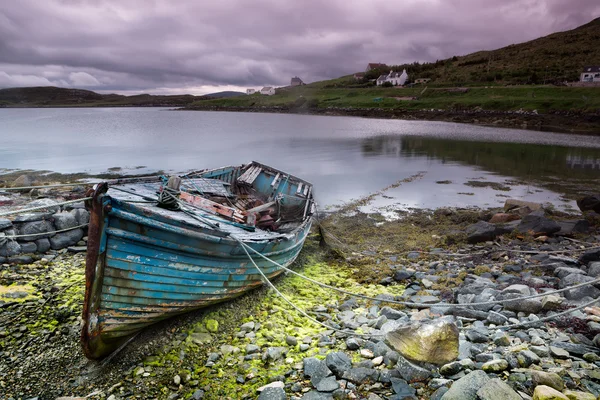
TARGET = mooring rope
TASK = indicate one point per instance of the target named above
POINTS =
(25, 210)
(46, 186)
(302, 312)
(44, 233)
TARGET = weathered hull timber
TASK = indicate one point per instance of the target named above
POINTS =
(146, 264)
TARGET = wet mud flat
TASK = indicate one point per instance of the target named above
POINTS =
(235, 349)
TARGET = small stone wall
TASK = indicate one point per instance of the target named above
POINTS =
(36, 231)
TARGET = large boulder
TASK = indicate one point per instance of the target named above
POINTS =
(10, 248)
(503, 218)
(37, 230)
(434, 342)
(537, 224)
(511, 204)
(64, 220)
(48, 204)
(481, 232)
(589, 203)
(466, 388)
(580, 292)
(497, 389)
(543, 392)
(66, 239)
(569, 228)
(5, 223)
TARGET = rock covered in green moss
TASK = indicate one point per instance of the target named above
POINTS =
(543, 392)
(547, 378)
(212, 325)
(434, 342)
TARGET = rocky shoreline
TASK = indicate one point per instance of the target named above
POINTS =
(257, 347)
(559, 121)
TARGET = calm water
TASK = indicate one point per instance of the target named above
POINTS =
(344, 157)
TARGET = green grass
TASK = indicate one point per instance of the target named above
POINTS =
(496, 98)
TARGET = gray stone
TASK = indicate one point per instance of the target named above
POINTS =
(361, 375)
(573, 348)
(527, 357)
(517, 288)
(28, 247)
(315, 369)
(50, 205)
(495, 366)
(36, 229)
(30, 217)
(274, 353)
(402, 388)
(481, 232)
(466, 388)
(411, 372)
(353, 344)
(272, 393)
(43, 245)
(391, 313)
(547, 378)
(537, 224)
(291, 340)
(589, 203)
(568, 228)
(252, 349)
(82, 216)
(248, 326)
(66, 239)
(450, 369)
(591, 255)
(434, 342)
(64, 220)
(338, 363)
(561, 272)
(10, 248)
(476, 336)
(424, 299)
(403, 275)
(328, 384)
(501, 339)
(581, 292)
(529, 306)
(314, 395)
(20, 259)
(438, 394)
(496, 389)
(594, 269)
(496, 318)
(5, 223)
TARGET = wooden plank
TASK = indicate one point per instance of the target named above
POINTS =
(275, 181)
(299, 190)
(250, 175)
(260, 208)
(306, 191)
(212, 206)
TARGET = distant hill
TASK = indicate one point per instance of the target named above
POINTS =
(50, 96)
(225, 94)
(554, 58)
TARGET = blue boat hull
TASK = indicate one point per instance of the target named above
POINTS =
(143, 268)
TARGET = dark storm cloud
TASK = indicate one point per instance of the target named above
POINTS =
(194, 46)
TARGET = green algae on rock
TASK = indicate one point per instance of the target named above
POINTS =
(434, 342)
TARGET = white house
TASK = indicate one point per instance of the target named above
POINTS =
(590, 74)
(395, 78)
(268, 90)
(250, 91)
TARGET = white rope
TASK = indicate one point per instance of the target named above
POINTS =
(47, 186)
(292, 304)
(423, 305)
(569, 311)
(25, 210)
(44, 233)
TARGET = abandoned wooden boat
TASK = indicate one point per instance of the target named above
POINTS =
(157, 249)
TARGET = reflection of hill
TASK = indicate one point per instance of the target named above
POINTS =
(525, 161)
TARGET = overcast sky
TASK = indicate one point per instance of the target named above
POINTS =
(202, 46)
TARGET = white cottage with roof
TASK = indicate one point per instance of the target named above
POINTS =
(395, 78)
(591, 74)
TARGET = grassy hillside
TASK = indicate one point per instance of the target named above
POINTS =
(554, 58)
(46, 96)
(541, 98)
